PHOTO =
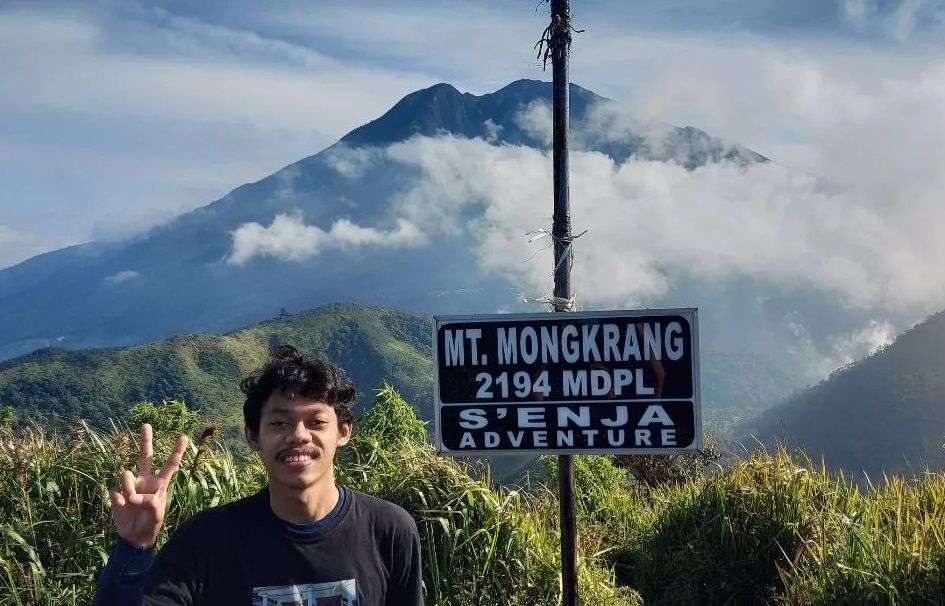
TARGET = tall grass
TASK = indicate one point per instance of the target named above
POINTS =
(55, 524)
(889, 549)
(770, 529)
(480, 546)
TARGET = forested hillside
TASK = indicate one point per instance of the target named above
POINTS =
(885, 413)
(373, 344)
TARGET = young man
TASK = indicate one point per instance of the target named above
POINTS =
(301, 540)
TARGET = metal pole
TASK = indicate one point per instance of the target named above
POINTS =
(559, 42)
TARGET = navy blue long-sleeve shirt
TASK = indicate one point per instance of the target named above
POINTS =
(365, 549)
(123, 576)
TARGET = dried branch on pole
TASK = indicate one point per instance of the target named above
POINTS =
(556, 37)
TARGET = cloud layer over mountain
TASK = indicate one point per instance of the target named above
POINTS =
(288, 238)
(647, 220)
(652, 228)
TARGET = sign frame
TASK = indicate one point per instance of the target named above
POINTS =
(691, 313)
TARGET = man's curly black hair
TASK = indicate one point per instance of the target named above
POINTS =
(295, 374)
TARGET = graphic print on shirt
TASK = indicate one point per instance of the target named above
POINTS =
(334, 593)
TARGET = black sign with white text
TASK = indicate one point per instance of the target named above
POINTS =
(622, 381)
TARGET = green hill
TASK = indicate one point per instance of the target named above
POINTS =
(885, 413)
(373, 344)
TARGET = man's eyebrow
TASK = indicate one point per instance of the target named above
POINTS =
(286, 411)
(279, 411)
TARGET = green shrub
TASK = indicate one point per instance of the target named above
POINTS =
(7, 417)
(390, 421)
(726, 538)
(481, 545)
(605, 503)
(169, 417)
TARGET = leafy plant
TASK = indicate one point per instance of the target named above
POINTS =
(7, 417)
(169, 417)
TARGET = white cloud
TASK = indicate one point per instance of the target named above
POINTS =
(155, 31)
(899, 20)
(89, 62)
(857, 13)
(289, 238)
(492, 130)
(866, 341)
(843, 350)
(866, 119)
(535, 120)
(345, 233)
(17, 245)
(351, 161)
(905, 18)
(432, 37)
(653, 222)
(121, 276)
(9, 236)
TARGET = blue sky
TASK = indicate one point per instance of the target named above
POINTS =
(119, 115)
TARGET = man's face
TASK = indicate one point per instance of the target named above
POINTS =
(297, 440)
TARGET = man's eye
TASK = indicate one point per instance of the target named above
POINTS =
(276, 423)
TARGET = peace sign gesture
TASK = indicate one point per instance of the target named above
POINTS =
(138, 508)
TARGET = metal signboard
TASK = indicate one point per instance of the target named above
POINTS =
(616, 382)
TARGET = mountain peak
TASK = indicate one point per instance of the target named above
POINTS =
(543, 88)
(439, 89)
(524, 84)
(443, 108)
(426, 111)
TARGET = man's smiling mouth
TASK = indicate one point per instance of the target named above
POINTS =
(296, 457)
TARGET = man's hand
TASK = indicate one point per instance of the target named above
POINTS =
(138, 508)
